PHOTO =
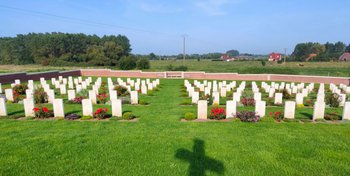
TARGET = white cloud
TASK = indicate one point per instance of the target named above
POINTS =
(213, 7)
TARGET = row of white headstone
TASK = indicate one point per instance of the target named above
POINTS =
(260, 109)
(58, 107)
(214, 89)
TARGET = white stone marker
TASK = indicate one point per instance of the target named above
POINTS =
(289, 110)
(223, 91)
(231, 107)
(116, 107)
(216, 98)
(346, 111)
(50, 95)
(71, 94)
(9, 94)
(29, 94)
(260, 108)
(87, 107)
(134, 97)
(58, 108)
(195, 97)
(3, 109)
(257, 96)
(28, 104)
(113, 95)
(92, 96)
(202, 112)
(63, 89)
(0, 89)
(299, 99)
(278, 98)
(319, 110)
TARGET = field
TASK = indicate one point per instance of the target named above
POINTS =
(159, 143)
(245, 67)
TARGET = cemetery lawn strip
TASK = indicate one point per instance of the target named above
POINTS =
(149, 146)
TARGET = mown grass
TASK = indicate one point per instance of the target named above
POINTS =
(244, 67)
(154, 144)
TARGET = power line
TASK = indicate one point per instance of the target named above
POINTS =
(82, 20)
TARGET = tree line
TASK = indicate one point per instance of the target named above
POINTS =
(64, 49)
(319, 52)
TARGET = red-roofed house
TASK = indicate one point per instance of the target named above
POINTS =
(226, 57)
(275, 57)
(345, 57)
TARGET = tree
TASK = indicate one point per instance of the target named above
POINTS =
(152, 56)
(347, 48)
(127, 63)
(143, 63)
(232, 53)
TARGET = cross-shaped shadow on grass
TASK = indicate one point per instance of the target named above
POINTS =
(199, 163)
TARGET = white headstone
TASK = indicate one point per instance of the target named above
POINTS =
(195, 97)
(29, 105)
(231, 107)
(289, 110)
(257, 96)
(319, 110)
(9, 94)
(87, 107)
(50, 95)
(299, 99)
(71, 94)
(202, 109)
(63, 89)
(278, 98)
(116, 107)
(346, 111)
(113, 95)
(3, 108)
(92, 96)
(134, 97)
(58, 109)
(260, 108)
(216, 98)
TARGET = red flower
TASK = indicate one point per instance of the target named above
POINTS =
(45, 109)
(36, 109)
(270, 113)
(106, 109)
(98, 111)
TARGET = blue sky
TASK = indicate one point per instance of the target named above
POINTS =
(251, 26)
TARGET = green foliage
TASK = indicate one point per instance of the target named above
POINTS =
(40, 96)
(63, 49)
(233, 53)
(190, 116)
(178, 68)
(263, 63)
(20, 89)
(143, 63)
(324, 52)
(128, 116)
(127, 63)
(333, 100)
(121, 90)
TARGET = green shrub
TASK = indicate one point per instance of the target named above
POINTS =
(333, 100)
(286, 95)
(143, 64)
(181, 68)
(83, 93)
(279, 62)
(263, 63)
(190, 116)
(128, 116)
(121, 90)
(127, 63)
(40, 96)
(20, 89)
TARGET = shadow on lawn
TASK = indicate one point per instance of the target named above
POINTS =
(199, 163)
(309, 116)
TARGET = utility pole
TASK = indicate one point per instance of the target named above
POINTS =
(184, 48)
(285, 55)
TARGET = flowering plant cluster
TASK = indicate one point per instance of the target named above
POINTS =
(248, 101)
(16, 97)
(217, 113)
(101, 113)
(101, 98)
(309, 102)
(277, 115)
(332, 116)
(42, 112)
(248, 116)
(77, 100)
(20, 88)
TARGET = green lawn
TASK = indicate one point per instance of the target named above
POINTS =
(160, 144)
(244, 67)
